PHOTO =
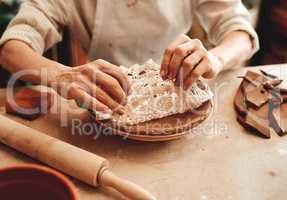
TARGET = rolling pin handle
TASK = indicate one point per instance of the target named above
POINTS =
(127, 188)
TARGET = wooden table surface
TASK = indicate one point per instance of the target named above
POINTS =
(219, 160)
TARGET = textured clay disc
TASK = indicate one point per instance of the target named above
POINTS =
(167, 128)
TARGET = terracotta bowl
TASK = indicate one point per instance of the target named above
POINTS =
(35, 182)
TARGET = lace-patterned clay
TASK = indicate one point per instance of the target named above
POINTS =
(158, 110)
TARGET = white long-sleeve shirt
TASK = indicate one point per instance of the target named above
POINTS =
(122, 33)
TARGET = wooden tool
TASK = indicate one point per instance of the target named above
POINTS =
(76, 162)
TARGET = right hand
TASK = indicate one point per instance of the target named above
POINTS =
(99, 86)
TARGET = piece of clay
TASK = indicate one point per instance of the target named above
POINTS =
(258, 79)
(259, 120)
(255, 77)
(279, 119)
(241, 121)
(250, 81)
(239, 100)
(260, 103)
(157, 110)
(29, 103)
(256, 96)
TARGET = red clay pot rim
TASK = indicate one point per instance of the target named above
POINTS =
(70, 186)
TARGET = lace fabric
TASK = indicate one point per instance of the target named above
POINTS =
(152, 98)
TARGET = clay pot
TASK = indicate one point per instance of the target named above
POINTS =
(35, 182)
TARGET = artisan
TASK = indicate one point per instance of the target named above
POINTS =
(125, 32)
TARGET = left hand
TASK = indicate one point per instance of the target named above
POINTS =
(186, 59)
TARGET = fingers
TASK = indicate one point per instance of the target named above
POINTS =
(90, 96)
(116, 73)
(103, 97)
(95, 71)
(168, 53)
(98, 85)
(178, 57)
(198, 71)
(188, 65)
(181, 58)
(87, 100)
(208, 67)
(185, 60)
(110, 85)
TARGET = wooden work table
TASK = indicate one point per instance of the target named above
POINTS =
(219, 160)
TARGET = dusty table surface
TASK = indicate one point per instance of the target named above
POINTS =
(218, 160)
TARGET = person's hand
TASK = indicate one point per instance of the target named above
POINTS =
(186, 59)
(99, 86)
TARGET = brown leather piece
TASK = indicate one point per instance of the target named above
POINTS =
(29, 103)
(258, 119)
(256, 96)
(260, 104)
(259, 79)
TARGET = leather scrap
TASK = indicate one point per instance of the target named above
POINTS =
(256, 96)
(259, 120)
(261, 103)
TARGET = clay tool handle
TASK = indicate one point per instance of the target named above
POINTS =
(76, 162)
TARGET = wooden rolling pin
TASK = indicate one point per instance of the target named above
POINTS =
(76, 162)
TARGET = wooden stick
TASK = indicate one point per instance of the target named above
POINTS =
(126, 187)
(66, 158)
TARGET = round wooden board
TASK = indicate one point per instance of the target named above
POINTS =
(165, 129)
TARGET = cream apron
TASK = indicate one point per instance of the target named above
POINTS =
(125, 35)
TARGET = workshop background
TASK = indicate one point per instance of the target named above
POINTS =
(268, 17)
